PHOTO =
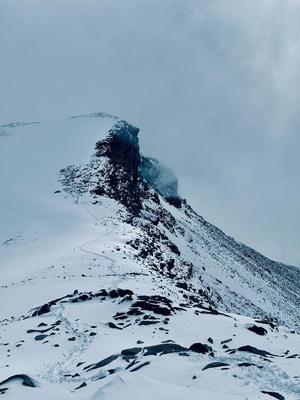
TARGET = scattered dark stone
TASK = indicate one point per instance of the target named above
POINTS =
(132, 351)
(274, 394)
(101, 293)
(40, 337)
(56, 345)
(111, 371)
(150, 317)
(93, 334)
(157, 304)
(294, 356)
(266, 322)
(182, 285)
(44, 309)
(113, 326)
(200, 348)
(210, 340)
(80, 363)
(72, 339)
(254, 350)
(84, 297)
(166, 348)
(135, 311)
(81, 386)
(135, 361)
(246, 364)
(42, 324)
(148, 322)
(25, 379)
(120, 315)
(259, 330)
(211, 310)
(113, 294)
(124, 292)
(39, 330)
(226, 341)
(101, 363)
(140, 366)
(215, 364)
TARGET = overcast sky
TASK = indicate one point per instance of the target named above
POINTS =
(214, 86)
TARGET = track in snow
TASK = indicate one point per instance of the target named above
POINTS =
(58, 371)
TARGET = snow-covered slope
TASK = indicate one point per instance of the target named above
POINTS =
(113, 287)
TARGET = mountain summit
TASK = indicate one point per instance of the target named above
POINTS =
(114, 287)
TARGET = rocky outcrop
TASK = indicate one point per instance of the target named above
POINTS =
(120, 179)
(118, 171)
(25, 380)
(128, 175)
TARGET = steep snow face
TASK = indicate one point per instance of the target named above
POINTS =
(108, 290)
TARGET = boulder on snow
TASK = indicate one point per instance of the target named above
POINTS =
(259, 330)
(254, 350)
(165, 348)
(102, 363)
(24, 379)
(40, 337)
(81, 386)
(140, 366)
(215, 364)
(133, 351)
(200, 348)
(274, 394)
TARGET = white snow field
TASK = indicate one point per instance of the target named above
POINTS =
(96, 303)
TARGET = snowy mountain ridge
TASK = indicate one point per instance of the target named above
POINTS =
(187, 246)
(114, 287)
